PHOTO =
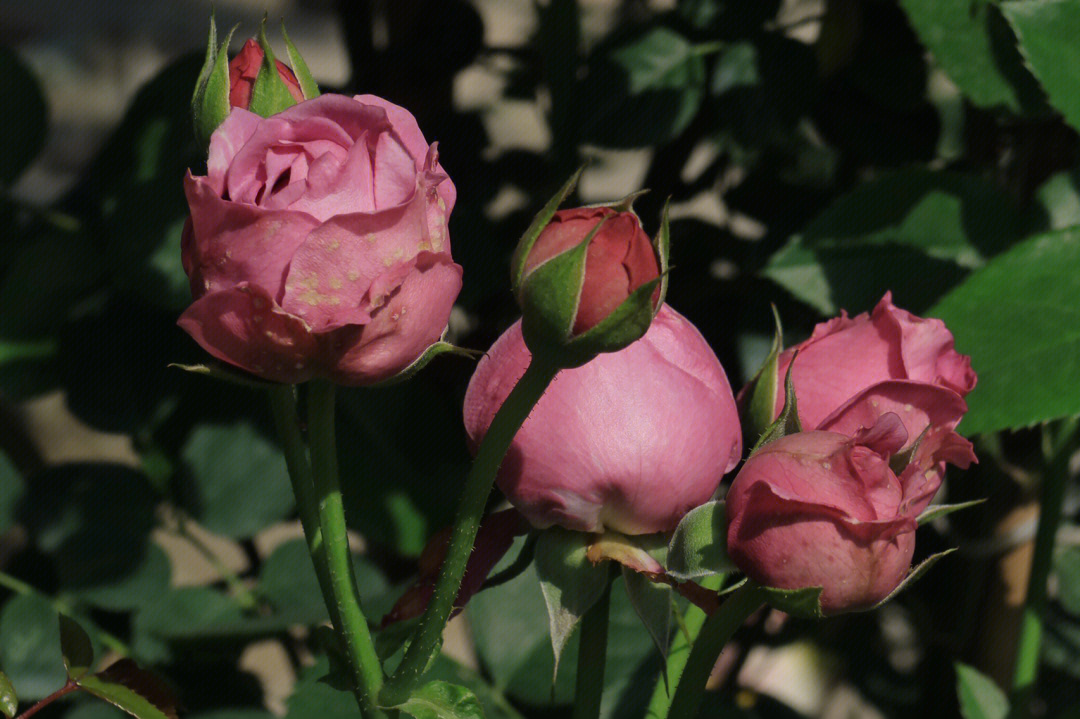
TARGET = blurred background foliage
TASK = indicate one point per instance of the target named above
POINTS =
(817, 153)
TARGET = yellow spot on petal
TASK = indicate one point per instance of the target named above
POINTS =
(908, 408)
(352, 276)
(335, 283)
(370, 237)
(334, 244)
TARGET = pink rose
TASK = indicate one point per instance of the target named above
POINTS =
(620, 258)
(244, 68)
(317, 243)
(629, 441)
(852, 370)
(822, 509)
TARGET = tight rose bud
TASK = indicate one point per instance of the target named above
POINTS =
(318, 244)
(620, 258)
(852, 370)
(629, 442)
(822, 509)
(244, 68)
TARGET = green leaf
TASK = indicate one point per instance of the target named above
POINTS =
(804, 603)
(765, 384)
(179, 615)
(144, 583)
(934, 225)
(979, 697)
(30, 647)
(442, 700)
(75, 647)
(522, 668)
(492, 701)
(12, 488)
(238, 483)
(1067, 571)
(25, 127)
(652, 603)
(644, 92)
(699, 544)
(308, 86)
(940, 510)
(269, 94)
(1056, 203)
(287, 580)
(1048, 30)
(571, 584)
(1019, 319)
(976, 50)
(131, 689)
(543, 217)
(9, 702)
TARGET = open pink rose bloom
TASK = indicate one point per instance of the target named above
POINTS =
(318, 245)
(630, 441)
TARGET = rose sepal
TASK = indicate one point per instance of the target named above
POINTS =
(532, 232)
(698, 546)
(210, 101)
(308, 86)
(226, 373)
(762, 389)
(269, 94)
(439, 348)
(788, 421)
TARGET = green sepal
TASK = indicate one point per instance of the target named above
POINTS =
(308, 86)
(662, 245)
(626, 324)
(758, 413)
(9, 701)
(899, 461)
(549, 299)
(913, 576)
(75, 647)
(439, 348)
(788, 421)
(570, 583)
(269, 94)
(441, 700)
(525, 244)
(698, 547)
(803, 603)
(940, 510)
(210, 101)
(224, 372)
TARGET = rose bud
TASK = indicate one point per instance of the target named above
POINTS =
(318, 244)
(823, 509)
(854, 369)
(244, 68)
(627, 442)
(588, 280)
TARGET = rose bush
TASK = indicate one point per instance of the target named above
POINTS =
(852, 370)
(620, 258)
(823, 509)
(317, 244)
(629, 441)
(244, 68)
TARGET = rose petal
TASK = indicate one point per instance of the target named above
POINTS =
(225, 143)
(917, 404)
(413, 319)
(922, 477)
(927, 348)
(244, 327)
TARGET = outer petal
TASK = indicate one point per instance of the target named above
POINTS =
(406, 129)
(225, 143)
(331, 274)
(413, 318)
(927, 348)
(233, 243)
(629, 441)
(917, 404)
(244, 327)
(922, 477)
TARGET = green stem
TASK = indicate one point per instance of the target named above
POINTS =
(240, 593)
(20, 587)
(470, 511)
(1030, 641)
(715, 632)
(283, 407)
(692, 621)
(592, 655)
(350, 623)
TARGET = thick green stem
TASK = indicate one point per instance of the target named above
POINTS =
(1030, 641)
(283, 407)
(350, 623)
(592, 655)
(715, 633)
(470, 511)
(693, 620)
